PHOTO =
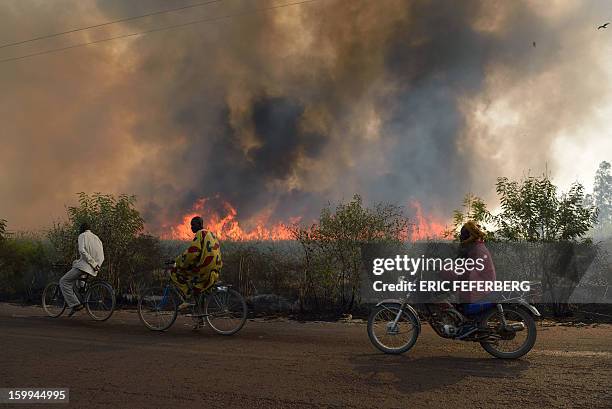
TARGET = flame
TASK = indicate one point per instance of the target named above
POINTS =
(424, 227)
(227, 227)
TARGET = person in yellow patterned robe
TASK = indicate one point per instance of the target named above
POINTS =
(199, 267)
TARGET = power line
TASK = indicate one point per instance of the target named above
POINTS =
(155, 13)
(154, 30)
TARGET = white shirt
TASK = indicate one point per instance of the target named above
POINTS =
(91, 251)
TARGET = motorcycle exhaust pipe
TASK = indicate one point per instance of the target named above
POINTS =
(516, 326)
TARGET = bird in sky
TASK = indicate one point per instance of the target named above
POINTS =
(603, 26)
(534, 44)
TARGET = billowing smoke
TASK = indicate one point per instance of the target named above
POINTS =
(281, 112)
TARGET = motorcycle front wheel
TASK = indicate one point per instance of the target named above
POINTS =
(389, 335)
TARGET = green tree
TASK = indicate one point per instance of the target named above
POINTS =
(533, 210)
(332, 248)
(23, 262)
(602, 197)
(312, 277)
(114, 219)
(473, 208)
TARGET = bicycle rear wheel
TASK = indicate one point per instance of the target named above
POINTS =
(158, 307)
(225, 310)
(53, 300)
(100, 301)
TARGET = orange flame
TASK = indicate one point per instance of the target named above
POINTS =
(227, 227)
(424, 227)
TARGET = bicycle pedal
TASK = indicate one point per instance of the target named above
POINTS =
(186, 305)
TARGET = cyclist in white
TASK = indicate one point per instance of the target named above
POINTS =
(91, 258)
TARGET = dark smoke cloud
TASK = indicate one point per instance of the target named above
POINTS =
(282, 112)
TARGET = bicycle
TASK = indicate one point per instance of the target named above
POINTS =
(96, 295)
(223, 308)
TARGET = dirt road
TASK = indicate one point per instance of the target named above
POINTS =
(292, 365)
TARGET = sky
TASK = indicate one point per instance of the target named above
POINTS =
(277, 113)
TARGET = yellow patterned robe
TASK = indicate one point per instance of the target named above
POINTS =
(200, 265)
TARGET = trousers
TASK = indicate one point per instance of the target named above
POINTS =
(67, 286)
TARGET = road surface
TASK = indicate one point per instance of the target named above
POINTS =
(286, 364)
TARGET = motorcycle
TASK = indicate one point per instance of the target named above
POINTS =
(504, 328)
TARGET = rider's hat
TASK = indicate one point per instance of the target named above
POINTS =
(470, 232)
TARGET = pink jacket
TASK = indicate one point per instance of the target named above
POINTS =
(478, 250)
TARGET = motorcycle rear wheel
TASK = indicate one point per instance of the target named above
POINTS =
(512, 345)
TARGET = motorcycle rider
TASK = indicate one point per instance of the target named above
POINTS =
(472, 246)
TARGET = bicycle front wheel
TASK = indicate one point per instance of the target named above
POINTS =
(158, 308)
(53, 300)
(225, 310)
(100, 301)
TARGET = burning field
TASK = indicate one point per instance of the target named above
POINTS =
(227, 225)
(259, 119)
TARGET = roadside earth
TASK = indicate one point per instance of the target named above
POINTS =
(286, 364)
